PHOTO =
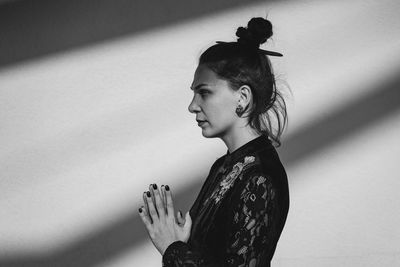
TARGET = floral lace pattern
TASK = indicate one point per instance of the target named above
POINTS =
(178, 254)
(230, 178)
(250, 230)
(239, 213)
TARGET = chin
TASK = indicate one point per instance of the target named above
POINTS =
(208, 134)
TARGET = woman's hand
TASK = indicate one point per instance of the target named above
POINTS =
(158, 216)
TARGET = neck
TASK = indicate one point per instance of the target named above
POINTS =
(238, 137)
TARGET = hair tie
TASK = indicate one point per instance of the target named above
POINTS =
(265, 52)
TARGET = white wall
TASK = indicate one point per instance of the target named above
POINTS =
(83, 133)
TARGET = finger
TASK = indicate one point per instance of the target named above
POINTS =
(152, 196)
(158, 202)
(146, 205)
(170, 204)
(152, 209)
(164, 198)
(145, 218)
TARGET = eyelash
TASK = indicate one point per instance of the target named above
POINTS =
(202, 93)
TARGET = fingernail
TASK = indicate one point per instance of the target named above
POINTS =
(148, 194)
(140, 210)
(154, 186)
(167, 187)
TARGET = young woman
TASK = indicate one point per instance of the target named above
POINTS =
(242, 207)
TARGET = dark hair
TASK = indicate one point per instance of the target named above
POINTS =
(243, 63)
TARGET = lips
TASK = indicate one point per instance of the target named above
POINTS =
(200, 122)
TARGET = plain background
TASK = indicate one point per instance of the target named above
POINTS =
(93, 108)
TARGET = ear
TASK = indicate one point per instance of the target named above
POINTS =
(245, 95)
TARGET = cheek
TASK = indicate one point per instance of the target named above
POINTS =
(228, 107)
(222, 111)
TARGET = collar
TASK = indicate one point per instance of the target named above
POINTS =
(257, 144)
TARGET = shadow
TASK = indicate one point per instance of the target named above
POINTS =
(107, 243)
(347, 121)
(31, 29)
(129, 231)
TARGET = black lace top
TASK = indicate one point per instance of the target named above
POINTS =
(239, 213)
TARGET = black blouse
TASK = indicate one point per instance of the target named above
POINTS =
(239, 213)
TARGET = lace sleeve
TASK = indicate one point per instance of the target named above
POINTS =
(178, 254)
(249, 235)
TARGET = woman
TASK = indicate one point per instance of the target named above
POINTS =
(241, 209)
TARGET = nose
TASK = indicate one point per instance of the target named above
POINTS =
(193, 106)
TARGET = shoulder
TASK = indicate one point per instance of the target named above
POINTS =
(264, 163)
(265, 174)
(255, 180)
(270, 165)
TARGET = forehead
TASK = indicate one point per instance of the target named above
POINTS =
(204, 75)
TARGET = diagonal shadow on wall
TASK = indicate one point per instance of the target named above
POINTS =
(30, 29)
(129, 231)
(351, 119)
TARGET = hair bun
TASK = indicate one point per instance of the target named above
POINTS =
(257, 32)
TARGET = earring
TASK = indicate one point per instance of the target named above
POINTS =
(239, 110)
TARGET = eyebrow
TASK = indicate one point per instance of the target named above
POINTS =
(198, 86)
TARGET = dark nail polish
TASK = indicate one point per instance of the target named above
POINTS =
(148, 194)
(154, 186)
(167, 187)
(140, 210)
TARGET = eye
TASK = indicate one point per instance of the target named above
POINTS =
(203, 92)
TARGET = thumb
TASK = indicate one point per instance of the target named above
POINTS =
(179, 218)
(188, 223)
(186, 228)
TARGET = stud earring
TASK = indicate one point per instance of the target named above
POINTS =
(239, 110)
